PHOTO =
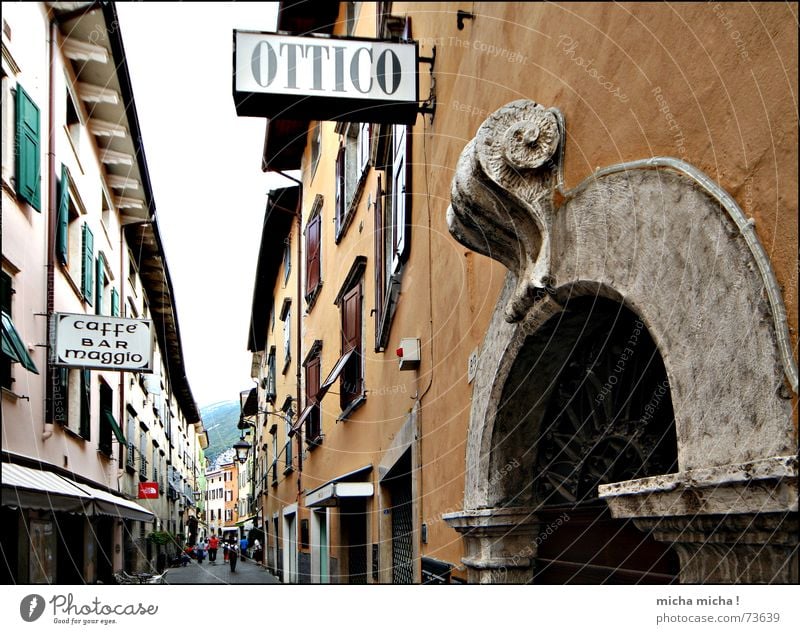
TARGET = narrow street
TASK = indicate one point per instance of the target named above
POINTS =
(219, 573)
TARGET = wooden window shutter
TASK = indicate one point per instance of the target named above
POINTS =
(312, 380)
(401, 195)
(351, 320)
(28, 150)
(379, 262)
(62, 230)
(114, 303)
(86, 404)
(340, 210)
(88, 264)
(99, 275)
(313, 254)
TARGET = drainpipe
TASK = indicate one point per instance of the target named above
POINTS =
(47, 432)
(298, 215)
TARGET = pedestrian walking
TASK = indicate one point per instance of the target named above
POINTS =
(213, 545)
(233, 554)
(257, 552)
(200, 549)
(243, 544)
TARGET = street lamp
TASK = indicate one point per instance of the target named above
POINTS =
(241, 448)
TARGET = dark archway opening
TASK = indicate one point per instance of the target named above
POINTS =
(587, 403)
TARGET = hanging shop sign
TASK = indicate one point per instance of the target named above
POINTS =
(148, 490)
(324, 78)
(103, 343)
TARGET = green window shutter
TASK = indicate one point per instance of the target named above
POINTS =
(28, 150)
(114, 303)
(62, 231)
(87, 276)
(98, 303)
(86, 404)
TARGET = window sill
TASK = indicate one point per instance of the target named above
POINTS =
(313, 443)
(106, 455)
(7, 391)
(351, 407)
(288, 470)
(130, 468)
(72, 432)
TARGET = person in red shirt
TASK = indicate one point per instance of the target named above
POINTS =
(213, 545)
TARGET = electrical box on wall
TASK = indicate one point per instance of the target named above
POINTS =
(408, 351)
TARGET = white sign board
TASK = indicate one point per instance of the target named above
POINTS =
(103, 343)
(324, 78)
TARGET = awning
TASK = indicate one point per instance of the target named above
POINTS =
(13, 347)
(245, 520)
(330, 492)
(25, 487)
(37, 489)
(109, 419)
(106, 503)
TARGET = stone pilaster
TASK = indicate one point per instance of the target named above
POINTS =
(499, 543)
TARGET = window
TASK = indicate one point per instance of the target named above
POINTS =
(77, 385)
(288, 446)
(87, 273)
(8, 128)
(73, 124)
(106, 428)
(28, 151)
(155, 463)
(143, 457)
(316, 140)
(313, 252)
(102, 283)
(287, 261)
(14, 350)
(352, 162)
(351, 377)
(286, 317)
(392, 235)
(271, 390)
(313, 423)
(351, 16)
(131, 438)
(274, 457)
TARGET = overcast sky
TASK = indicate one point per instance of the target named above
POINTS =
(205, 167)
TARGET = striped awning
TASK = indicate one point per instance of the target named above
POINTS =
(39, 489)
(26, 487)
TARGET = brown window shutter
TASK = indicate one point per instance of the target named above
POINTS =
(351, 320)
(340, 188)
(379, 263)
(312, 380)
(312, 254)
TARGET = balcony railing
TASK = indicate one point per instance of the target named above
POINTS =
(130, 463)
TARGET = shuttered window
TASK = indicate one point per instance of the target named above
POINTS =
(340, 190)
(400, 196)
(87, 273)
(86, 404)
(379, 265)
(99, 286)
(313, 259)
(351, 376)
(28, 155)
(62, 228)
(114, 303)
(313, 422)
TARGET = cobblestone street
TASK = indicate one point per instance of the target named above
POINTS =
(220, 573)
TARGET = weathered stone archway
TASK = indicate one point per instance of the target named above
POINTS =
(664, 240)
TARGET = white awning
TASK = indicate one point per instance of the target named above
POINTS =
(106, 503)
(24, 487)
(331, 493)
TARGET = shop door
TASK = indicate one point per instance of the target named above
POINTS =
(398, 481)
(353, 518)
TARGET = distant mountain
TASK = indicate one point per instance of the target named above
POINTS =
(220, 421)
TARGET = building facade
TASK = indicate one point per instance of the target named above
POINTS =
(96, 463)
(594, 301)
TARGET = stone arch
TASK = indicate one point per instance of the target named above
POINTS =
(664, 240)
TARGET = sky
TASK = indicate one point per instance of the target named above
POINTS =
(205, 169)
